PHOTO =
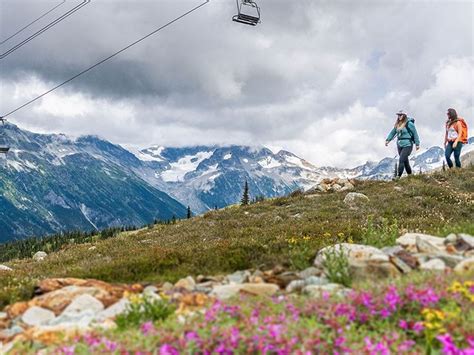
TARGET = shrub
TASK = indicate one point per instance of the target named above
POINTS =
(336, 265)
(144, 308)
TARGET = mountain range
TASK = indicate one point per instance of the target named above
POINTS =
(51, 183)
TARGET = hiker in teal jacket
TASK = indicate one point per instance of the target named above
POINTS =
(405, 131)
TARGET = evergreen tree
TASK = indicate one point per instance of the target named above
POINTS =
(189, 213)
(245, 197)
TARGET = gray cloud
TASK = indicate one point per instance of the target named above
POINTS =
(320, 78)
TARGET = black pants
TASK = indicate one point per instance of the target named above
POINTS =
(404, 162)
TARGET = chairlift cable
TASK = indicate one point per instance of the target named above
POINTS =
(32, 23)
(107, 58)
(45, 28)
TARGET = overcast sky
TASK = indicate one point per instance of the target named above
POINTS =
(320, 78)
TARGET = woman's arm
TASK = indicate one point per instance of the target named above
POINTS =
(391, 135)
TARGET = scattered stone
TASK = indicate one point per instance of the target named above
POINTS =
(461, 246)
(398, 188)
(468, 239)
(295, 286)
(407, 258)
(466, 266)
(239, 277)
(391, 251)
(315, 280)
(434, 264)
(353, 198)
(84, 303)
(425, 246)
(260, 289)
(450, 260)
(224, 292)
(92, 248)
(114, 310)
(356, 253)
(311, 271)
(37, 316)
(5, 268)
(150, 290)
(40, 256)
(400, 264)
(188, 283)
(408, 241)
(167, 286)
(451, 239)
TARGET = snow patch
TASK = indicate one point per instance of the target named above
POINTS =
(85, 212)
(269, 163)
(184, 165)
(227, 156)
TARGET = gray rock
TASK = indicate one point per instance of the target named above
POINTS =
(336, 187)
(37, 316)
(450, 260)
(392, 250)
(353, 198)
(408, 241)
(167, 286)
(425, 246)
(451, 239)
(5, 268)
(114, 310)
(295, 286)
(315, 280)
(77, 321)
(82, 304)
(354, 252)
(434, 264)
(225, 292)
(11, 332)
(400, 264)
(40, 256)
(203, 289)
(311, 271)
(398, 188)
(239, 277)
(468, 239)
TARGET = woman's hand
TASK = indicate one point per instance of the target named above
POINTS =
(455, 144)
(386, 143)
(417, 147)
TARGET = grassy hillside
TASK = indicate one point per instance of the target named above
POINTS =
(286, 231)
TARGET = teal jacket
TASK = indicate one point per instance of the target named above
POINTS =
(406, 135)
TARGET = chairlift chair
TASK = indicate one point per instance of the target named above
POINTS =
(4, 148)
(248, 13)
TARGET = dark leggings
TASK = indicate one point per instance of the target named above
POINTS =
(457, 154)
(404, 162)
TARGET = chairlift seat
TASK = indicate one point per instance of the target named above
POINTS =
(246, 19)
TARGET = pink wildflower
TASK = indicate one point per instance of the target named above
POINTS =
(147, 328)
(448, 344)
(167, 349)
(68, 350)
(403, 324)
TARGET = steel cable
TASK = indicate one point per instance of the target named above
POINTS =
(32, 23)
(45, 28)
(107, 58)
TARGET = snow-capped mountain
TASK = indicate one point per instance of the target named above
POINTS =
(51, 183)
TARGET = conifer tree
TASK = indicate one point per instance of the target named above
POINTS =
(189, 213)
(245, 197)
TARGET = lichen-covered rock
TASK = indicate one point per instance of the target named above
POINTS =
(434, 264)
(40, 256)
(465, 267)
(37, 316)
(408, 241)
(354, 198)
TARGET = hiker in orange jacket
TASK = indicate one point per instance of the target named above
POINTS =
(455, 137)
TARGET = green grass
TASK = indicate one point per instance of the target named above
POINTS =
(258, 235)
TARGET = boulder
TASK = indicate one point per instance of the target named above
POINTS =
(40, 256)
(354, 198)
(225, 292)
(188, 283)
(37, 316)
(58, 300)
(239, 277)
(311, 271)
(356, 253)
(400, 264)
(5, 268)
(425, 246)
(264, 289)
(114, 310)
(433, 264)
(465, 267)
(468, 239)
(408, 241)
(84, 303)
